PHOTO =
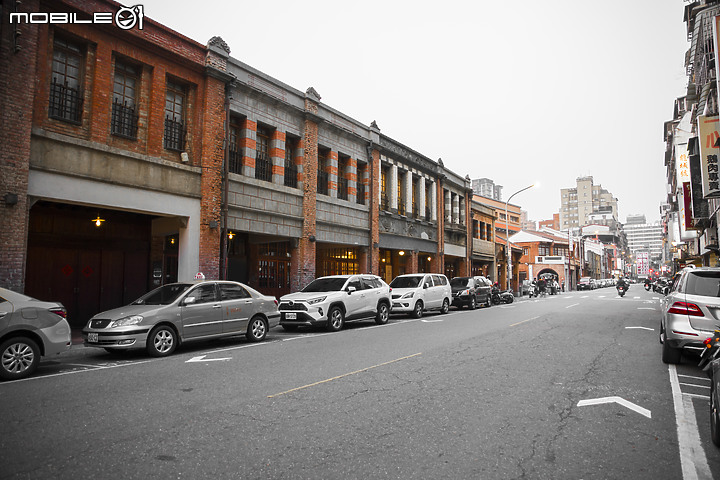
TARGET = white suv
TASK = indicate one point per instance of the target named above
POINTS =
(418, 292)
(334, 300)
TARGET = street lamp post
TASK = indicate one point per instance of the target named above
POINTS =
(507, 236)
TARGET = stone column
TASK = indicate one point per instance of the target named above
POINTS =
(277, 157)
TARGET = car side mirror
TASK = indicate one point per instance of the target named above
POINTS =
(351, 289)
(425, 285)
(189, 301)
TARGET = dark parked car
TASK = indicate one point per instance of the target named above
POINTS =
(470, 291)
(586, 283)
(29, 328)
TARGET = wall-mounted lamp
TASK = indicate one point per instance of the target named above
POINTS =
(429, 259)
(98, 221)
(401, 252)
(231, 235)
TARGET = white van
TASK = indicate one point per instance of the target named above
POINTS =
(416, 293)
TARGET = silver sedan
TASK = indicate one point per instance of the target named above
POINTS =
(29, 328)
(178, 312)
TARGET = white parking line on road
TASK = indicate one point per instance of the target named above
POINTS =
(640, 328)
(692, 456)
(693, 377)
(695, 385)
(39, 377)
(573, 305)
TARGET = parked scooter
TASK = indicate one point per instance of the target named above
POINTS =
(497, 296)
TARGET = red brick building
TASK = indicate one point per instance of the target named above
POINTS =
(135, 156)
(115, 160)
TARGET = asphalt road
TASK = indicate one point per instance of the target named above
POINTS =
(568, 386)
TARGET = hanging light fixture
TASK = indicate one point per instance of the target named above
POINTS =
(231, 235)
(98, 221)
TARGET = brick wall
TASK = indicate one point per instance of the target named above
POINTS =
(17, 71)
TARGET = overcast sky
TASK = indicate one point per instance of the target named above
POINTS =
(518, 92)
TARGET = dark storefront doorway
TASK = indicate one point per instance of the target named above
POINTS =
(88, 268)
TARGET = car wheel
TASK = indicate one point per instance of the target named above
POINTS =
(257, 329)
(336, 319)
(445, 306)
(669, 354)
(714, 415)
(473, 303)
(383, 314)
(418, 310)
(161, 341)
(20, 358)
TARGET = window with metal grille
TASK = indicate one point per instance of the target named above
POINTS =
(384, 196)
(401, 194)
(290, 167)
(415, 200)
(360, 184)
(66, 97)
(343, 162)
(124, 120)
(236, 153)
(175, 96)
(428, 201)
(322, 174)
(263, 163)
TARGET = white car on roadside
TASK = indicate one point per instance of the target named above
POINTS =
(416, 293)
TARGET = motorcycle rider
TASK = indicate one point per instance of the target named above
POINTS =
(648, 283)
(541, 286)
(622, 283)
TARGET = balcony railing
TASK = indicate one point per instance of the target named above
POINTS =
(291, 174)
(322, 182)
(360, 199)
(65, 102)
(174, 135)
(236, 161)
(124, 121)
(263, 168)
(343, 188)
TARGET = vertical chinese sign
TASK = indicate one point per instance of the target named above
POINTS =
(709, 154)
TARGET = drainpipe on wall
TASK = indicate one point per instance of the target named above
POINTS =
(225, 186)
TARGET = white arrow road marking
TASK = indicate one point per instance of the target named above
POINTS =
(432, 321)
(202, 358)
(640, 328)
(647, 308)
(573, 305)
(621, 401)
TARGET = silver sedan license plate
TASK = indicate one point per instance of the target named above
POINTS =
(92, 337)
(291, 316)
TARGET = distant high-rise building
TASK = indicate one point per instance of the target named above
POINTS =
(487, 188)
(644, 237)
(635, 219)
(577, 204)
